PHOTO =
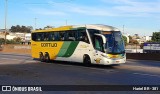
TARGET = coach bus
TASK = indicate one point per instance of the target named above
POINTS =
(88, 44)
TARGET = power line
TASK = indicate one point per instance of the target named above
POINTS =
(51, 2)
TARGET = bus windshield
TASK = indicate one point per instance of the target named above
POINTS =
(115, 43)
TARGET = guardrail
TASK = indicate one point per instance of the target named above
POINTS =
(144, 56)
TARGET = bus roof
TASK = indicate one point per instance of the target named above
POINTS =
(75, 27)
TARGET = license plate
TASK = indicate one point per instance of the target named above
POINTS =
(117, 61)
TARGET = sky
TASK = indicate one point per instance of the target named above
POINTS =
(137, 16)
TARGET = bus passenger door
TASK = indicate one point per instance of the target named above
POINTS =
(99, 48)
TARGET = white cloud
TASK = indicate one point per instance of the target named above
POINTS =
(120, 8)
(43, 11)
(149, 7)
(86, 10)
(135, 7)
(91, 11)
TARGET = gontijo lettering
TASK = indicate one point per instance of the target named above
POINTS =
(48, 44)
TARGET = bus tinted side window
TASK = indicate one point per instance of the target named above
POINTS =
(71, 36)
(56, 36)
(46, 36)
(51, 36)
(92, 32)
(66, 36)
(82, 36)
(39, 36)
(34, 38)
(61, 35)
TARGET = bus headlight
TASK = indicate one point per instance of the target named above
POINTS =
(104, 55)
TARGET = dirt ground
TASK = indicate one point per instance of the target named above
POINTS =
(20, 49)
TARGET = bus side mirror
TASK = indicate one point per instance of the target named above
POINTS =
(105, 45)
(105, 48)
(102, 36)
(104, 39)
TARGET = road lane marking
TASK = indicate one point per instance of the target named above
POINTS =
(140, 68)
(22, 57)
(114, 71)
(143, 74)
(105, 70)
(14, 54)
(11, 59)
(134, 60)
(19, 60)
(91, 68)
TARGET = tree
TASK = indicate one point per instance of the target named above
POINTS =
(18, 39)
(10, 41)
(39, 29)
(149, 41)
(125, 40)
(130, 39)
(137, 37)
(48, 27)
(135, 42)
(30, 28)
(141, 45)
(156, 37)
(2, 41)
(22, 29)
(18, 28)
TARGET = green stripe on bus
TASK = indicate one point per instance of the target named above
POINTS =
(71, 49)
(63, 49)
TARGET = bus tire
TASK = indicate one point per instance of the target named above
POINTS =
(47, 58)
(86, 60)
(41, 57)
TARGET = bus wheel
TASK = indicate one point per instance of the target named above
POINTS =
(47, 58)
(41, 57)
(87, 60)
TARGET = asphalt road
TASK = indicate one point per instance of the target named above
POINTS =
(17, 69)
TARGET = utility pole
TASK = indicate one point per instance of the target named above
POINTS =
(35, 23)
(123, 29)
(66, 22)
(6, 6)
